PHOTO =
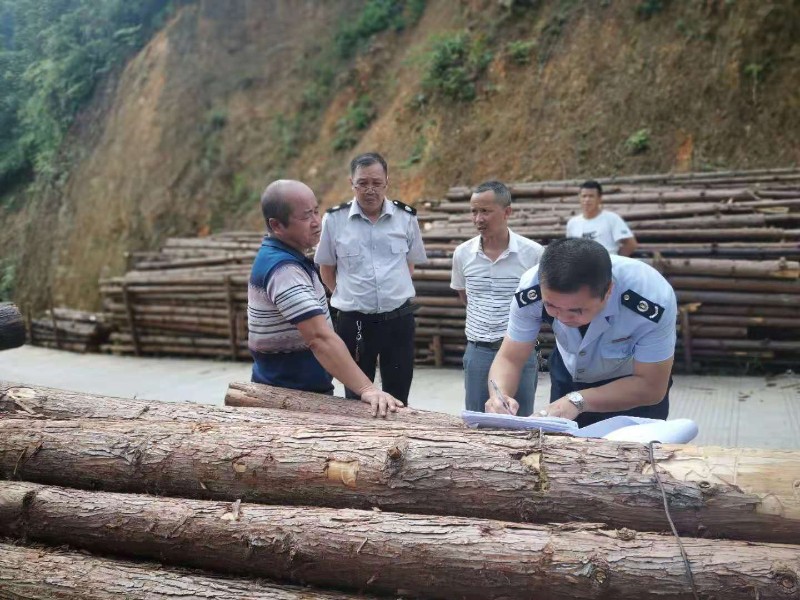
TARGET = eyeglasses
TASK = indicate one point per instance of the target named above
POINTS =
(363, 187)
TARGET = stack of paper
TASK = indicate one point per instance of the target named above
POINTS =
(621, 428)
(500, 421)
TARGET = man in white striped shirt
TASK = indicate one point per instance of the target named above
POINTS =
(486, 272)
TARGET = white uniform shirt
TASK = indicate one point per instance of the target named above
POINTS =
(489, 285)
(637, 323)
(607, 228)
(371, 259)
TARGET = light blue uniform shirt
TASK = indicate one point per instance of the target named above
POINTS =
(637, 323)
(372, 274)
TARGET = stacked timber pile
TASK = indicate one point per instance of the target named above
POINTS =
(190, 298)
(12, 327)
(411, 506)
(729, 243)
(69, 329)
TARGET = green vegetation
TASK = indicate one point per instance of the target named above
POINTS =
(213, 124)
(755, 71)
(649, 8)
(638, 142)
(554, 28)
(519, 51)
(417, 152)
(357, 118)
(52, 54)
(375, 17)
(454, 66)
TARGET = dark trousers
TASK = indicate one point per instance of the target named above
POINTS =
(561, 384)
(392, 340)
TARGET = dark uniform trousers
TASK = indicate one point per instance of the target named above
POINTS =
(561, 383)
(388, 335)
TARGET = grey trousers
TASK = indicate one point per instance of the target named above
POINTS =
(477, 361)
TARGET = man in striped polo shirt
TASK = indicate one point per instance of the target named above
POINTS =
(486, 272)
(289, 326)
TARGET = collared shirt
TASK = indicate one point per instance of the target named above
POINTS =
(490, 285)
(372, 274)
(607, 228)
(637, 323)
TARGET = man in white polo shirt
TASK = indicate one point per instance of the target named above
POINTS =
(603, 226)
(486, 273)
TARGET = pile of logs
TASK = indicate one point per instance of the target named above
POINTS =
(190, 298)
(412, 506)
(729, 243)
(12, 327)
(69, 329)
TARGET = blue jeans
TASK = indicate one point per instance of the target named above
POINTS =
(477, 360)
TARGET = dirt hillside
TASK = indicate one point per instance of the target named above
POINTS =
(230, 95)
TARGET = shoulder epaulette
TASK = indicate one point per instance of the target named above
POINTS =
(528, 296)
(642, 306)
(333, 209)
(403, 206)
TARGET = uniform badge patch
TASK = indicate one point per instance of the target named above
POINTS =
(642, 306)
(339, 206)
(528, 296)
(409, 209)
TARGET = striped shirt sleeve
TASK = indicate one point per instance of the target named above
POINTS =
(291, 289)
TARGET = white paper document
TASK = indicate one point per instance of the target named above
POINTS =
(620, 428)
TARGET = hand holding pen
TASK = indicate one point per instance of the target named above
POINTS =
(501, 397)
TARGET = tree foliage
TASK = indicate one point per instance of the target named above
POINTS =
(52, 54)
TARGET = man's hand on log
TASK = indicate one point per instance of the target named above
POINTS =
(380, 401)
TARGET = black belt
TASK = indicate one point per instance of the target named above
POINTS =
(493, 345)
(405, 309)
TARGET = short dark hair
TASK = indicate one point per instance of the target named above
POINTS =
(274, 205)
(591, 184)
(569, 264)
(502, 195)
(366, 160)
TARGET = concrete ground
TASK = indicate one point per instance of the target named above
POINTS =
(755, 412)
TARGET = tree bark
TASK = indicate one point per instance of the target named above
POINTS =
(266, 396)
(732, 493)
(389, 553)
(43, 574)
(24, 401)
(12, 327)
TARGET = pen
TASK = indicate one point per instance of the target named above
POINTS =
(501, 397)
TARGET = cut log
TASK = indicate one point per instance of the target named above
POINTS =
(44, 574)
(735, 493)
(12, 327)
(389, 553)
(24, 401)
(266, 396)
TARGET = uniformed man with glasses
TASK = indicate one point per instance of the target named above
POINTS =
(367, 252)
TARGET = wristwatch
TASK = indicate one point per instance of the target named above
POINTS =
(577, 400)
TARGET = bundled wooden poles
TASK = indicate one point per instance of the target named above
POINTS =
(728, 243)
(69, 329)
(12, 327)
(188, 299)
